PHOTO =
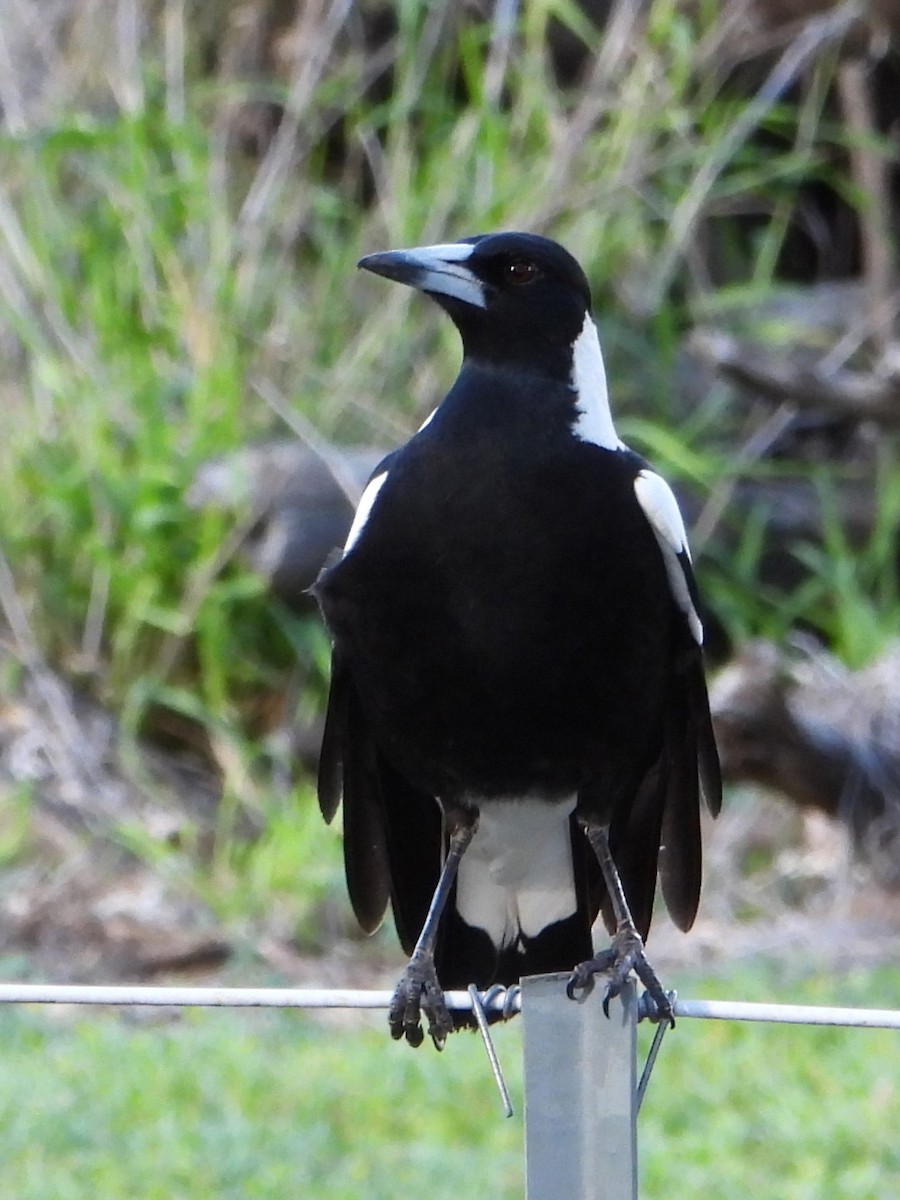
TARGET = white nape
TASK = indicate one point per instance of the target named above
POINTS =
(517, 877)
(594, 422)
(658, 501)
(363, 510)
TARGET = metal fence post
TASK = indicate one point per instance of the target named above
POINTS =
(580, 1093)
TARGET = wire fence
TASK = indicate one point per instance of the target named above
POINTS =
(582, 1089)
(494, 1001)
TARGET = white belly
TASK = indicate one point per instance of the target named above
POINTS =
(516, 877)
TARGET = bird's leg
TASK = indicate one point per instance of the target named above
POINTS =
(418, 988)
(627, 950)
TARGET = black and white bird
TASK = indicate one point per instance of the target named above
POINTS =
(518, 721)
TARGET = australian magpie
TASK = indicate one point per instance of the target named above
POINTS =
(518, 720)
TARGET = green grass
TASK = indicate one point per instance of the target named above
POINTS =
(776, 1111)
(227, 1106)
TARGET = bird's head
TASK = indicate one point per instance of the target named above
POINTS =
(516, 298)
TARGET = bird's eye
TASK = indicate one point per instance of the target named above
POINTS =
(520, 270)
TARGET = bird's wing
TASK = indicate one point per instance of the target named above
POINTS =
(364, 508)
(666, 810)
(393, 835)
(660, 829)
(661, 509)
(414, 827)
(347, 772)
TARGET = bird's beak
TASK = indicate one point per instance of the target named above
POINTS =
(438, 270)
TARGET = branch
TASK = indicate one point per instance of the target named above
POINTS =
(844, 393)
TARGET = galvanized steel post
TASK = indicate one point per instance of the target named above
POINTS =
(580, 1093)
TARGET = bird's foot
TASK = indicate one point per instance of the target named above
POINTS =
(626, 954)
(418, 991)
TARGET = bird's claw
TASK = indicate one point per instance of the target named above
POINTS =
(581, 981)
(624, 956)
(418, 991)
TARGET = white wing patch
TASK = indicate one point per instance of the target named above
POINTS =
(658, 502)
(661, 508)
(427, 421)
(363, 509)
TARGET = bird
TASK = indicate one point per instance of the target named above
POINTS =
(517, 722)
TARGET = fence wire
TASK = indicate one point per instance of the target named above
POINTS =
(494, 1001)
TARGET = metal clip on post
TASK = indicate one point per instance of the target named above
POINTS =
(479, 1004)
(644, 1012)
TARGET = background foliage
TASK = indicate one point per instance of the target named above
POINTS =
(167, 297)
(172, 288)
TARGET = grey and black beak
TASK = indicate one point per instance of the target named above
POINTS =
(437, 270)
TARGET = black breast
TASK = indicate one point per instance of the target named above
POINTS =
(505, 614)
